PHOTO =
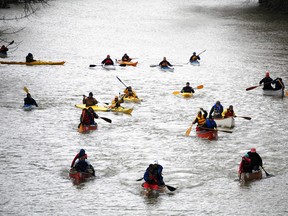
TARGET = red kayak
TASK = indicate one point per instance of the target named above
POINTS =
(86, 128)
(81, 176)
(151, 189)
(207, 134)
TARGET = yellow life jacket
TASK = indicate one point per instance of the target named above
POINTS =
(201, 120)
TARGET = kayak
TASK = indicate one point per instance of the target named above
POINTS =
(34, 63)
(166, 68)
(109, 67)
(245, 177)
(28, 107)
(186, 94)
(152, 190)
(134, 64)
(132, 99)
(225, 122)
(207, 134)
(81, 176)
(195, 63)
(87, 128)
(275, 93)
(106, 109)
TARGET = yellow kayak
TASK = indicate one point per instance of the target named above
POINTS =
(33, 63)
(186, 94)
(132, 99)
(106, 109)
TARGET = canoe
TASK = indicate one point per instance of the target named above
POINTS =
(245, 177)
(225, 122)
(152, 190)
(2, 55)
(28, 107)
(195, 63)
(134, 64)
(106, 109)
(207, 134)
(109, 67)
(86, 128)
(275, 93)
(170, 69)
(34, 63)
(132, 99)
(81, 176)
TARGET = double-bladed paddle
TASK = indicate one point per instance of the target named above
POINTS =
(97, 65)
(178, 92)
(121, 81)
(26, 89)
(10, 43)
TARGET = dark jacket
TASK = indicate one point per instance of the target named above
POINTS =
(30, 101)
(209, 123)
(278, 84)
(194, 58)
(164, 63)
(267, 83)
(4, 50)
(256, 160)
(153, 174)
(188, 89)
(216, 111)
(108, 61)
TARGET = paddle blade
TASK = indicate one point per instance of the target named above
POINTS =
(250, 88)
(200, 87)
(92, 65)
(176, 92)
(11, 43)
(153, 65)
(140, 179)
(286, 93)
(170, 188)
(106, 119)
(188, 131)
(26, 89)
(247, 118)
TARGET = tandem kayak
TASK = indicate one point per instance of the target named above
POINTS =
(106, 109)
(245, 177)
(28, 107)
(86, 128)
(132, 99)
(275, 93)
(134, 64)
(225, 122)
(195, 63)
(170, 69)
(207, 134)
(81, 176)
(34, 63)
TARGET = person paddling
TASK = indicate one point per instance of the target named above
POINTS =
(129, 92)
(256, 160)
(229, 112)
(81, 164)
(116, 102)
(107, 61)
(278, 84)
(216, 110)
(267, 81)
(164, 63)
(90, 100)
(29, 101)
(87, 117)
(187, 89)
(194, 57)
(30, 58)
(125, 57)
(153, 176)
(245, 165)
(200, 118)
(3, 50)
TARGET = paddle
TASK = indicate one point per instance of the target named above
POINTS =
(26, 89)
(188, 130)
(247, 118)
(198, 55)
(121, 81)
(252, 87)
(286, 93)
(10, 43)
(211, 129)
(105, 119)
(178, 92)
(267, 174)
(93, 65)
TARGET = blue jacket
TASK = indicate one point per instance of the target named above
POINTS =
(153, 174)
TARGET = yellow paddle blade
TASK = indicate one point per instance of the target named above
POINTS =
(26, 89)
(200, 87)
(286, 93)
(176, 92)
(188, 131)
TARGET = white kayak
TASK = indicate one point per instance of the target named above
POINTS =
(109, 67)
(276, 93)
(170, 69)
(195, 63)
(225, 122)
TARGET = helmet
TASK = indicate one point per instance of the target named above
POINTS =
(81, 153)
(267, 74)
(253, 150)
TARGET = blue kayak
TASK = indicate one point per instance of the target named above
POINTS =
(28, 107)
(166, 68)
(195, 63)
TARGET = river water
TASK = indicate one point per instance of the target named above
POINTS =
(241, 41)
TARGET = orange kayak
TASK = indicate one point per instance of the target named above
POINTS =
(134, 64)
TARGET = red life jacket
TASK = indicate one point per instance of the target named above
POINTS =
(85, 117)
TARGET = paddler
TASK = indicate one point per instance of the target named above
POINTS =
(201, 117)
(116, 102)
(165, 63)
(90, 100)
(187, 89)
(229, 112)
(153, 176)
(129, 92)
